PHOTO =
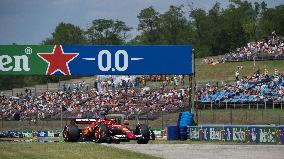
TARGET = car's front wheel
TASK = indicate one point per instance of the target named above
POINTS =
(71, 133)
(144, 132)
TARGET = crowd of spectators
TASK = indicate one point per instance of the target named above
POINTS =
(255, 88)
(79, 101)
(266, 49)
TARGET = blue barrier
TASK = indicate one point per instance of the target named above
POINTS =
(185, 119)
(183, 132)
(173, 132)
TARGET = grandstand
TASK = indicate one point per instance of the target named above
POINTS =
(270, 48)
(247, 90)
(80, 100)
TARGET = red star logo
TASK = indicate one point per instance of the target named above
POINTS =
(57, 60)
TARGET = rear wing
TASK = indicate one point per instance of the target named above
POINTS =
(85, 121)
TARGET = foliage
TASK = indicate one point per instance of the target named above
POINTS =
(66, 33)
(213, 32)
(104, 31)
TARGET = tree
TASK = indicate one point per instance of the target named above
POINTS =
(104, 31)
(172, 26)
(148, 24)
(272, 20)
(200, 23)
(249, 15)
(66, 33)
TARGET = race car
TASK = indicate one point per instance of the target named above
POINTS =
(105, 130)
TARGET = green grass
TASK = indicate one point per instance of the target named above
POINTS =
(226, 71)
(65, 150)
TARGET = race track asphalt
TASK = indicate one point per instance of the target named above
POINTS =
(210, 151)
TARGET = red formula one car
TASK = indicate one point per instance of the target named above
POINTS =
(104, 130)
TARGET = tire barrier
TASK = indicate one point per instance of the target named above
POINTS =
(251, 134)
(173, 132)
(183, 132)
(185, 119)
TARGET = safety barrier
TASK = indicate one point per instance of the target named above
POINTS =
(34, 136)
(251, 134)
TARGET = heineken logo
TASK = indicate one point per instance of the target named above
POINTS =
(58, 60)
(94, 60)
(14, 63)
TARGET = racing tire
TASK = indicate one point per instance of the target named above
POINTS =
(71, 133)
(145, 132)
(101, 134)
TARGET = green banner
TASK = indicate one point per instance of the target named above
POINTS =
(23, 59)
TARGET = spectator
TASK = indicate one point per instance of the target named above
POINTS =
(237, 75)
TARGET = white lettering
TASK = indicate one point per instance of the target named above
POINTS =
(18, 63)
(5, 60)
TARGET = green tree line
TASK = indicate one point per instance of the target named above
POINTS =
(211, 32)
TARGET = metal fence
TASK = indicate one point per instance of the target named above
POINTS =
(249, 105)
(162, 119)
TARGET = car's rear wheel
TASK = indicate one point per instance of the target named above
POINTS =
(145, 132)
(71, 133)
(101, 133)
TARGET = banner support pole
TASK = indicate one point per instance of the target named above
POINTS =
(192, 84)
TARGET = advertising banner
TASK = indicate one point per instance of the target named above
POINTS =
(281, 134)
(95, 60)
(254, 134)
(239, 133)
(194, 133)
(268, 135)
(205, 135)
(228, 133)
(42, 133)
(216, 133)
(251, 134)
(54, 133)
(27, 133)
